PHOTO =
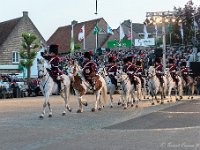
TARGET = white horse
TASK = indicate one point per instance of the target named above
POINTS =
(127, 89)
(81, 86)
(155, 85)
(110, 86)
(48, 86)
(172, 85)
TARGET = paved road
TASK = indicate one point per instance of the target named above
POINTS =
(171, 126)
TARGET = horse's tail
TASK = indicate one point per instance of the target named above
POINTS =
(104, 93)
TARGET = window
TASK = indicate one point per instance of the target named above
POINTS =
(15, 57)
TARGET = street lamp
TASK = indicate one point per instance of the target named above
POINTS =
(162, 17)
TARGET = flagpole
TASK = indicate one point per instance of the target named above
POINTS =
(131, 34)
(170, 39)
(72, 40)
(97, 32)
(156, 29)
(84, 38)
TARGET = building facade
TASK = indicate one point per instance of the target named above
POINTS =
(10, 42)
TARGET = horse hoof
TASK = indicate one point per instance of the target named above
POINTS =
(136, 106)
(100, 109)
(123, 104)
(132, 105)
(119, 103)
(63, 114)
(93, 109)
(162, 103)
(176, 99)
(69, 109)
(85, 104)
(50, 115)
(111, 106)
(41, 117)
(192, 97)
(125, 108)
(79, 111)
(152, 103)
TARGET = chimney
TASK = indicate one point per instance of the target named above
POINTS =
(74, 22)
(25, 13)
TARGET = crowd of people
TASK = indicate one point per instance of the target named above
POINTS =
(131, 60)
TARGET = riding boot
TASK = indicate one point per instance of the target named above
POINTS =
(59, 86)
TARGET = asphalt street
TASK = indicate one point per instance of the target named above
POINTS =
(171, 126)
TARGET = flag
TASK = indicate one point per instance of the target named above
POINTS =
(96, 30)
(181, 30)
(145, 31)
(81, 34)
(102, 31)
(121, 33)
(156, 29)
(72, 40)
(196, 27)
(129, 35)
(109, 30)
(169, 27)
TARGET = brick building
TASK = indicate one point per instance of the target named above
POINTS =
(10, 41)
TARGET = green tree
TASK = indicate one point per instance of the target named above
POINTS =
(28, 51)
(186, 15)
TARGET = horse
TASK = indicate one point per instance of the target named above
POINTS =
(127, 88)
(190, 85)
(110, 86)
(172, 85)
(49, 86)
(155, 85)
(81, 86)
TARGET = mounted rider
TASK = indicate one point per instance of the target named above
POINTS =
(184, 70)
(159, 69)
(112, 70)
(139, 70)
(128, 65)
(130, 70)
(55, 62)
(173, 70)
(89, 68)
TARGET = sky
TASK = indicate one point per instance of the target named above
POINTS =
(48, 15)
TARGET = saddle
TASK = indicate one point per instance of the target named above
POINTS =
(133, 80)
(89, 72)
(160, 77)
(54, 75)
(113, 80)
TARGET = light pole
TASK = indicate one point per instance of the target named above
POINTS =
(161, 17)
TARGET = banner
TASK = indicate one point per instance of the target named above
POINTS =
(145, 42)
(115, 43)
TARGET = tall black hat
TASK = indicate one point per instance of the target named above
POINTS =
(53, 48)
(183, 64)
(129, 59)
(171, 60)
(158, 60)
(87, 55)
(125, 60)
(139, 63)
(111, 59)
